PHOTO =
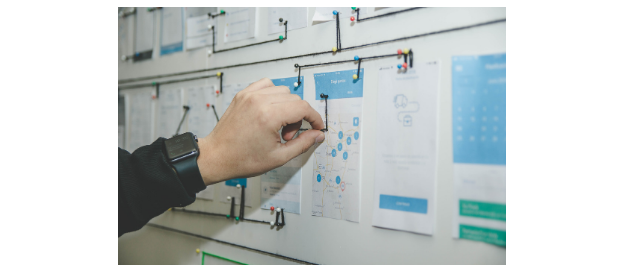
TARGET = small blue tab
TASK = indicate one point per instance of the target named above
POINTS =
(405, 204)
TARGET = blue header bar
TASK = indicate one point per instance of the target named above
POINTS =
(339, 84)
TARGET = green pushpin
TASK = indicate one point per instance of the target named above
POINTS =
(228, 216)
(222, 11)
(153, 83)
(353, 8)
(149, 9)
(281, 37)
(237, 218)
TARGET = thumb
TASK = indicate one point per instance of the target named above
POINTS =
(302, 143)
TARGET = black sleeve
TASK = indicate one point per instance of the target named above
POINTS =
(148, 186)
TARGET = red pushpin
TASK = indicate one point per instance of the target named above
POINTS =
(153, 96)
(399, 51)
(352, 18)
(272, 208)
(208, 105)
(405, 65)
(217, 91)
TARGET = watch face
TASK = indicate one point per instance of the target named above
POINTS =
(180, 145)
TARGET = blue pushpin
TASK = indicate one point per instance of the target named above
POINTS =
(356, 58)
(335, 12)
(137, 54)
(399, 66)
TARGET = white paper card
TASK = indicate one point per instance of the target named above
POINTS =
(297, 18)
(240, 24)
(406, 155)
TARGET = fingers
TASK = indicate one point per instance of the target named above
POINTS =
(301, 144)
(273, 90)
(276, 99)
(289, 131)
(293, 112)
(259, 85)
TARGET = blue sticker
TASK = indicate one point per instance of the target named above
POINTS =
(339, 146)
(356, 135)
(356, 121)
(345, 155)
(479, 109)
(339, 84)
(290, 83)
(348, 140)
(340, 135)
(318, 177)
(334, 153)
(338, 180)
(234, 182)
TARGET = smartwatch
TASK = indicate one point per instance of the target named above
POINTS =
(182, 152)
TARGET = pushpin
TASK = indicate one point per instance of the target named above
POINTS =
(217, 92)
(355, 76)
(209, 26)
(238, 186)
(281, 37)
(279, 209)
(137, 54)
(229, 198)
(153, 96)
(272, 208)
(237, 218)
(296, 84)
(399, 51)
(352, 18)
(208, 105)
(405, 65)
(405, 51)
(335, 12)
(272, 223)
(353, 8)
(399, 66)
(169, 209)
(356, 58)
(123, 57)
(222, 11)
(209, 52)
(281, 20)
(334, 49)
(218, 74)
(197, 250)
(227, 215)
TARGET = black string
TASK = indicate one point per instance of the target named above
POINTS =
(215, 112)
(186, 109)
(338, 31)
(314, 54)
(228, 243)
(157, 84)
(221, 83)
(325, 96)
(385, 14)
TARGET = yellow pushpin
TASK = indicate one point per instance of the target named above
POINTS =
(169, 209)
(218, 74)
(197, 250)
(334, 49)
(354, 76)
(405, 51)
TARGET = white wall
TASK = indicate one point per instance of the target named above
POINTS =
(323, 240)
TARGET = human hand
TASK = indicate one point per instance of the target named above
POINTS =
(246, 141)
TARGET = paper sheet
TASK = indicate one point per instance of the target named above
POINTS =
(406, 155)
(140, 120)
(336, 167)
(123, 37)
(197, 32)
(201, 119)
(170, 112)
(240, 24)
(281, 187)
(297, 18)
(326, 14)
(171, 30)
(144, 31)
(479, 148)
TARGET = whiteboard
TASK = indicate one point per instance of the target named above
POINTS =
(314, 239)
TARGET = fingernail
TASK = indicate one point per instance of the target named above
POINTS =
(320, 138)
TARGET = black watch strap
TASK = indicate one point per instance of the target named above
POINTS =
(189, 174)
